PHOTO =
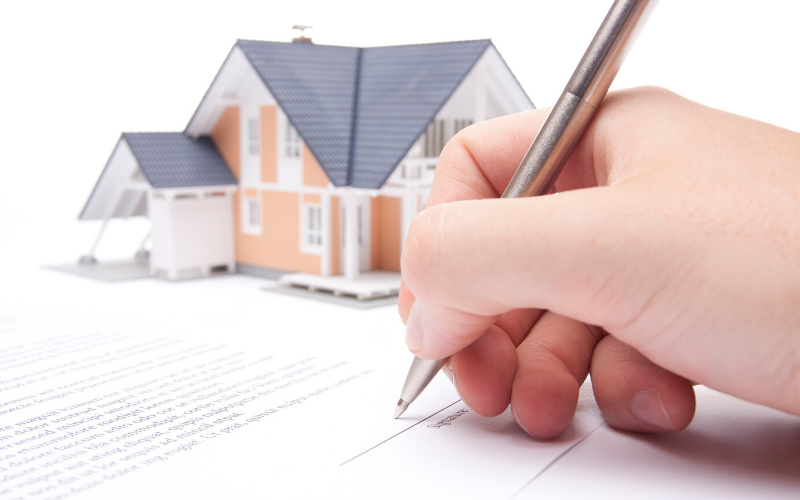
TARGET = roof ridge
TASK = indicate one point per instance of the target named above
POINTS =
(295, 44)
(449, 42)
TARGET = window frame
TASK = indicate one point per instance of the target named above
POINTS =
(253, 139)
(291, 145)
(247, 205)
(312, 238)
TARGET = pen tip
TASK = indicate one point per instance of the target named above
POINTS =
(401, 407)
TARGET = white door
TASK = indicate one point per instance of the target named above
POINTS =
(364, 234)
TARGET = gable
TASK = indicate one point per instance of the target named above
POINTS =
(359, 111)
(315, 86)
(400, 91)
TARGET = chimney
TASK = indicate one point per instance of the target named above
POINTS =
(302, 38)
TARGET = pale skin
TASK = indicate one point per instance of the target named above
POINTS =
(670, 256)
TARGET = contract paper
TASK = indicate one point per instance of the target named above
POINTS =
(120, 415)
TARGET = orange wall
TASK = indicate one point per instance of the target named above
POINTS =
(313, 175)
(335, 243)
(226, 137)
(278, 246)
(388, 211)
(269, 144)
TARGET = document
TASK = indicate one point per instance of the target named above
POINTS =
(213, 389)
(114, 415)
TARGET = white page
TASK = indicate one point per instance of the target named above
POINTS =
(731, 450)
(289, 414)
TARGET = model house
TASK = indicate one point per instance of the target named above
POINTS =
(303, 158)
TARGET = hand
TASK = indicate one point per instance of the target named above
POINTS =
(671, 254)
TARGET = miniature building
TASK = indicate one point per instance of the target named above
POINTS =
(303, 158)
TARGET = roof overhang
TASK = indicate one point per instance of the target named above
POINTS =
(120, 191)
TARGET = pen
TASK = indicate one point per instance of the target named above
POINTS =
(559, 134)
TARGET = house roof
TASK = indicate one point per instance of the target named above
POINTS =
(360, 110)
(175, 160)
(166, 160)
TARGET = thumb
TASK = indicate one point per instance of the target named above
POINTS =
(576, 253)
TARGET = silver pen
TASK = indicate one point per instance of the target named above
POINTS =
(559, 134)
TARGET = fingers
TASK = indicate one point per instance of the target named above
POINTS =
(636, 395)
(471, 261)
(553, 362)
(550, 249)
(483, 371)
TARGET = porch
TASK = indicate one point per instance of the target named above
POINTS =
(367, 286)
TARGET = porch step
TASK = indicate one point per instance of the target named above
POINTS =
(368, 286)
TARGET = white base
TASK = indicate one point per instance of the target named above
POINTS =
(369, 285)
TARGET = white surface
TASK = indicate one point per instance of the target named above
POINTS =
(732, 450)
(94, 69)
(222, 455)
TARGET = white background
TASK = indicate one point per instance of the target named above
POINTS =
(74, 75)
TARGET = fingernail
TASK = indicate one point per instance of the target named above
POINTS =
(649, 408)
(514, 414)
(414, 333)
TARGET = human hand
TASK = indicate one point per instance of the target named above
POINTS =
(671, 254)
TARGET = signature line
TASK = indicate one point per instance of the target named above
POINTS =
(392, 437)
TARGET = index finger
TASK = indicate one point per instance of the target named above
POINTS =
(477, 163)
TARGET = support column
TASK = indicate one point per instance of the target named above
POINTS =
(351, 258)
(408, 210)
(89, 258)
(325, 258)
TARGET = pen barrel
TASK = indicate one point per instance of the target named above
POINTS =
(551, 148)
(419, 376)
(564, 126)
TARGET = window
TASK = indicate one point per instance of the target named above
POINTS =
(311, 235)
(434, 139)
(253, 146)
(254, 213)
(460, 124)
(291, 141)
(251, 216)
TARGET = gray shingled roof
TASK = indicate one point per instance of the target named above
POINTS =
(315, 86)
(360, 110)
(175, 160)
